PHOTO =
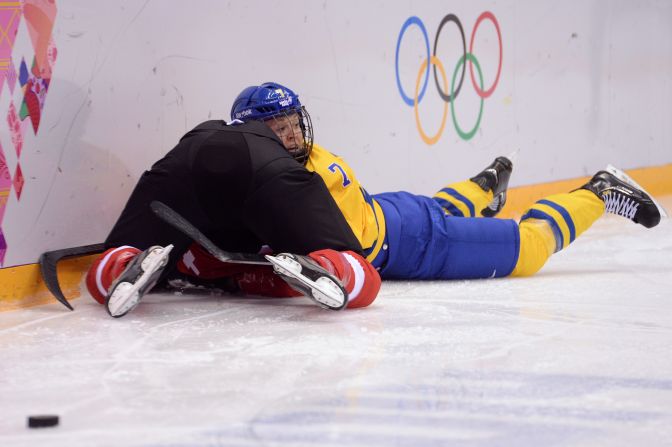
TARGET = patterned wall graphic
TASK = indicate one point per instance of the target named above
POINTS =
(25, 79)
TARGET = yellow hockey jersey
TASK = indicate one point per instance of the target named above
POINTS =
(362, 212)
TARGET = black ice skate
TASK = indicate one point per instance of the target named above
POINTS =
(624, 197)
(306, 276)
(138, 278)
(495, 178)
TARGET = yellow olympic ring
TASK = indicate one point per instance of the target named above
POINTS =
(427, 139)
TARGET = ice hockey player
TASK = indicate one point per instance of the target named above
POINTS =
(239, 186)
(444, 237)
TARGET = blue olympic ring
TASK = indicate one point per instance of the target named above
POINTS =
(412, 21)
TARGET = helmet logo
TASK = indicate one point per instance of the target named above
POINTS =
(243, 113)
(284, 99)
(277, 93)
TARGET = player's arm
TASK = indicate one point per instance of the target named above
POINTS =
(291, 210)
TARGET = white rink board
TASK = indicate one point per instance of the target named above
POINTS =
(576, 355)
(581, 84)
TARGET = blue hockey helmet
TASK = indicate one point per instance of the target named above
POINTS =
(272, 101)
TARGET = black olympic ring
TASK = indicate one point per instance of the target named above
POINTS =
(446, 19)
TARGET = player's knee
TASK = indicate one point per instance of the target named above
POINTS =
(537, 244)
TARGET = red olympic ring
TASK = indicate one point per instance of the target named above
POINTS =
(488, 92)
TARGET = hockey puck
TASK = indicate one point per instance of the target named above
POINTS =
(46, 420)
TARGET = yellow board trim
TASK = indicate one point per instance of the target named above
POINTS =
(22, 287)
(656, 180)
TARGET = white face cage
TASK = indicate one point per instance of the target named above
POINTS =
(295, 129)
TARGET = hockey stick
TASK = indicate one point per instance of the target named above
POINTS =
(312, 280)
(49, 260)
(170, 216)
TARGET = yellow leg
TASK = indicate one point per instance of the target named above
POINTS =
(537, 244)
(552, 224)
(463, 199)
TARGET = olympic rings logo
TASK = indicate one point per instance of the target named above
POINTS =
(467, 58)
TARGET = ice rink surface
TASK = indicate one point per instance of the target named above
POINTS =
(579, 355)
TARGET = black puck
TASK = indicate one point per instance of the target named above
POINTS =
(44, 420)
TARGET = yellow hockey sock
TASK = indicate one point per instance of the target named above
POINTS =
(537, 244)
(463, 199)
(552, 224)
(568, 214)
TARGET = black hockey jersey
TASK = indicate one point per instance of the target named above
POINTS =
(240, 187)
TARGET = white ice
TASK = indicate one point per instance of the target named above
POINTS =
(580, 355)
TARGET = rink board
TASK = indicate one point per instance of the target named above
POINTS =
(22, 286)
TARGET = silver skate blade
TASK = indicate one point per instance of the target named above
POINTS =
(513, 156)
(324, 292)
(126, 296)
(613, 170)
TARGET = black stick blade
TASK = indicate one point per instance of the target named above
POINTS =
(48, 263)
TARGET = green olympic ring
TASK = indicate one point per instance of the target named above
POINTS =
(466, 135)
